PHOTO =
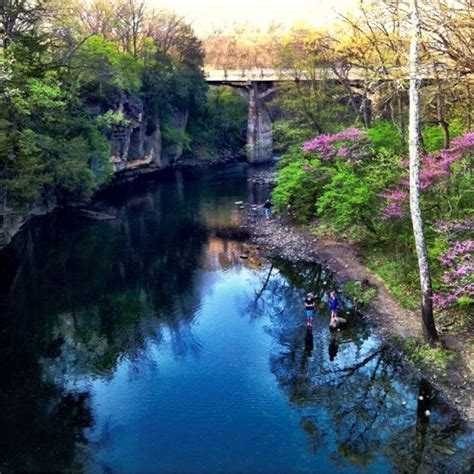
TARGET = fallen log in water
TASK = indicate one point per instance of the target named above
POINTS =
(96, 216)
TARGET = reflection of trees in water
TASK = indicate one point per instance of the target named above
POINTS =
(75, 307)
(82, 297)
(42, 426)
(354, 400)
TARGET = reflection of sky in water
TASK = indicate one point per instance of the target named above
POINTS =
(193, 359)
(217, 401)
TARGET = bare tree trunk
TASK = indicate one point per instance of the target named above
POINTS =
(429, 328)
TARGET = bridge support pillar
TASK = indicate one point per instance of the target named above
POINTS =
(259, 125)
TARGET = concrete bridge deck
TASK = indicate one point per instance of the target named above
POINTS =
(276, 75)
(355, 74)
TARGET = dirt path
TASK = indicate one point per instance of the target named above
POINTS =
(279, 237)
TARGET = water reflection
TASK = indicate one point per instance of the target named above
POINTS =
(152, 333)
(333, 346)
(357, 393)
(76, 297)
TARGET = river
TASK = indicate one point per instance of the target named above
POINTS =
(147, 344)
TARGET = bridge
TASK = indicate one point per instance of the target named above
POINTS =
(258, 85)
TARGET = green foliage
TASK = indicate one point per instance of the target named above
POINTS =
(103, 70)
(436, 359)
(433, 138)
(344, 195)
(221, 125)
(295, 185)
(308, 108)
(285, 135)
(112, 118)
(384, 135)
(60, 101)
(72, 173)
(49, 143)
(360, 292)
(24, 177)
(175, 137)
(399, 273)
(347, 199)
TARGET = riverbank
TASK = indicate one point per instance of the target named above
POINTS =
(400, 327)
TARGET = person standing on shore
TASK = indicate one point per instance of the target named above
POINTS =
(267, 208)
(309, 309)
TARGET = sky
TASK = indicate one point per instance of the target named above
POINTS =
(206, 14)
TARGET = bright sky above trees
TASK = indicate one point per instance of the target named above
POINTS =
(207, 14)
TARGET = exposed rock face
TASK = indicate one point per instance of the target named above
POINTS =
(11, 222)
(140, 143)
(178, 122)
(136, 144)
(259, 127)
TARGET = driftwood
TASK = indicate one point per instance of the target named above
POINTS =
(96, 216)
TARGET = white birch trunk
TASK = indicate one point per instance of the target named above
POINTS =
(429, 328)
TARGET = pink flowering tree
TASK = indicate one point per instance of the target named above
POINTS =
(343, 169)
(445, 178)
(350, 145)
(457, 263)
(438, 171)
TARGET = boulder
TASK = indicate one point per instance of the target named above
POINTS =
(337, 323)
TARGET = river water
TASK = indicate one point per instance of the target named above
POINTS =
(147, 344)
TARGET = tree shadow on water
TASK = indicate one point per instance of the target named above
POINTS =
(359, 403)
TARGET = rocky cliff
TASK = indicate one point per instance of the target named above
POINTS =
(137, 146)
(138, 143)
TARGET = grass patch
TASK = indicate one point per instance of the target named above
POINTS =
(399, 275)
(360, 292)
(434, 359)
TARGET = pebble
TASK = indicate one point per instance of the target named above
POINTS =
(420, 397)
(404, 403)
(427, 413)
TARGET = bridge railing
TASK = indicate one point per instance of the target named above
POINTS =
(291, 74)
(274, 74)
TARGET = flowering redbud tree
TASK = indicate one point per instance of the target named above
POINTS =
(435, 169)
(350, 144)
(457, 280)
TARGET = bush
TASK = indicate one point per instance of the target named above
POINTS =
(361, 292)
(433, 138)
(384, 135)
(296, 186)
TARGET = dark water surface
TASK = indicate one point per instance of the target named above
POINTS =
(146, 344)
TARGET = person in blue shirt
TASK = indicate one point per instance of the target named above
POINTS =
(333, 304)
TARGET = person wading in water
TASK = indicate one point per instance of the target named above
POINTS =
(309, 309)
(333, 304)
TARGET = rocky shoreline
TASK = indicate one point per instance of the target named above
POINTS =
(281, 237)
